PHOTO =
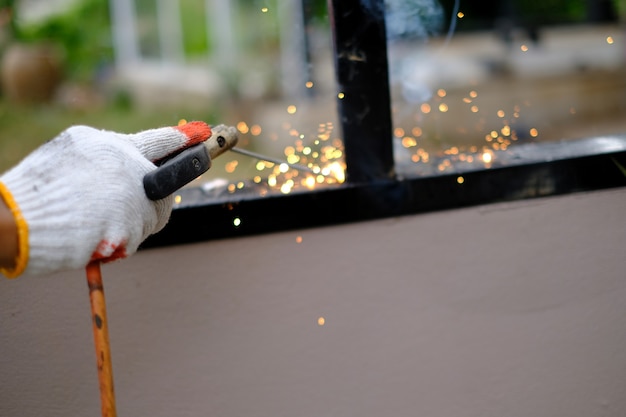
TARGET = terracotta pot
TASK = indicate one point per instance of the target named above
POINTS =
(30, 73)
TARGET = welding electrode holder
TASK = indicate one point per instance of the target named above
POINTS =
(174, 173)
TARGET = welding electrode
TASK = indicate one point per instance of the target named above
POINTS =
(251, 154)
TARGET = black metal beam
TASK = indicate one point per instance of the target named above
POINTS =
(204, 218)
(360, 43)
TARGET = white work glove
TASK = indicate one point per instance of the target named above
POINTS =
(80, 198)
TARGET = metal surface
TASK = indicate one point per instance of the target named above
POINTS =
(364, 102)
(223, 138)
(535, 171)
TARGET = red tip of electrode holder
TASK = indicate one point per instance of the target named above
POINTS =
(196, 131)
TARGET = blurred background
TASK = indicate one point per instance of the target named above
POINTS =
(469, 80)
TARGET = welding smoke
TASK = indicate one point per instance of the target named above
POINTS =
(416, 69)
(411, 19)
(408, 19)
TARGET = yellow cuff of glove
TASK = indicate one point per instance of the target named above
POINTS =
(22, 235)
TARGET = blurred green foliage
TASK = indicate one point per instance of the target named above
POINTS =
(620, 6)
(556, 10)
(25, 127)
(83, 31)
(195, 34)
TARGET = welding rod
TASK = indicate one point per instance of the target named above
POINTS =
(299, 167)
(100, 326)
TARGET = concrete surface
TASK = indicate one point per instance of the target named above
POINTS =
(512, 310)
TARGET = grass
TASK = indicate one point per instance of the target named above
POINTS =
(25, 127)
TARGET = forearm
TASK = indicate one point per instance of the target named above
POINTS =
(8, 237)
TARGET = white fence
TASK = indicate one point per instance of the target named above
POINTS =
(226, 59)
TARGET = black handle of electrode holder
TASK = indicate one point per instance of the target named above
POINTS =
(176, 172)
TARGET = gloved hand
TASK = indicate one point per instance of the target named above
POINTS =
(80, 197)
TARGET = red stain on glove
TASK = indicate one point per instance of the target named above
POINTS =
(108, 252)
(196, 131)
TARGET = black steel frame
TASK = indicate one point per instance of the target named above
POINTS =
(373, 189)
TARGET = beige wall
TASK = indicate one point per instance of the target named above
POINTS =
(515, 309)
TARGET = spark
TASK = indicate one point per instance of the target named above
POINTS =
(408, 142)
(243, 127)
(231, 166)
